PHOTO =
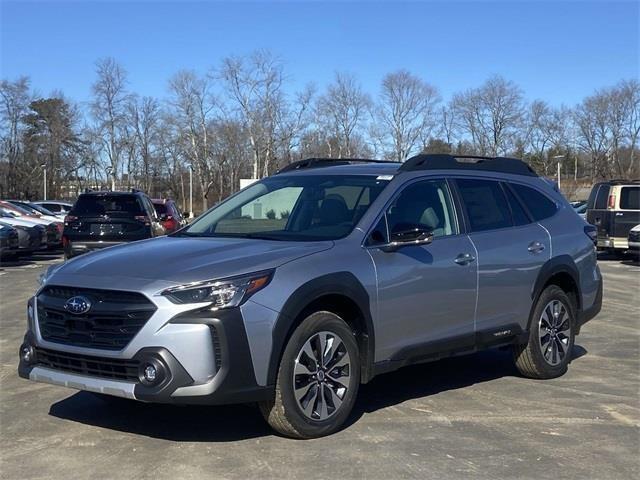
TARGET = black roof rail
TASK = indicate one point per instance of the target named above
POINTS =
(467, 162)
(621, 181)
(326, 162)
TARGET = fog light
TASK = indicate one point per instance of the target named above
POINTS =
(150, 373)
(27, 354)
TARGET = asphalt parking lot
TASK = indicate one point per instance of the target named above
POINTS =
(459, 418)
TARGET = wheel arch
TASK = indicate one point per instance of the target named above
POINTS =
(340, 293)
(560, 271)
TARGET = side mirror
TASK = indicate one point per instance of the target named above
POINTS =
(408, 237)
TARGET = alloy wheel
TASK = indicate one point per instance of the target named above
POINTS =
(321, 375)
(554, 330)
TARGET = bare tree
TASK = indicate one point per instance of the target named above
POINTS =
(592, 120)
(405, 113)
(15, 98)
(490, 115)
(342, 110)
(110, 98)
(194, 110)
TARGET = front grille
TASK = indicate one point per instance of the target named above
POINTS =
(114, 318)
(85, 365)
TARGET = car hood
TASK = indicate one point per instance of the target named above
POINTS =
(169, 261)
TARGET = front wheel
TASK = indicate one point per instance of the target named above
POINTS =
(551, 335)
(318, 379)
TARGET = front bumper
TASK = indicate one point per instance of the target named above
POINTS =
(230, 376)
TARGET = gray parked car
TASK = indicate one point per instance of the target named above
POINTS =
(302, 286)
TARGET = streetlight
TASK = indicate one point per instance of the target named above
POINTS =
(190, 190)
(558, 158)
(44, 180)
(109, 170)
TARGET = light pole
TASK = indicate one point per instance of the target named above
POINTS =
(109, 170)
(558, 158)
(44, 180)
(190, 190)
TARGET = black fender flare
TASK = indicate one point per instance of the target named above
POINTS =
(559, 264)
(345, 284)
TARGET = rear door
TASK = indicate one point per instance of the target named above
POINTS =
(511, 250)
(108, 217)
(597, 213)
(628, 214)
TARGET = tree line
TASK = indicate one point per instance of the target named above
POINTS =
(240, 120)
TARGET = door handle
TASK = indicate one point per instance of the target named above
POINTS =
(464, 259)
(536, 247)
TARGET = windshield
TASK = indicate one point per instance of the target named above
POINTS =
(42, 210)
(313, 207)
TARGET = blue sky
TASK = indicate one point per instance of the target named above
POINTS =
(557, 51)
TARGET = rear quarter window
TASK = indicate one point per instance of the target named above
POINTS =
(630, 198)
(485, 203)
(538, 204)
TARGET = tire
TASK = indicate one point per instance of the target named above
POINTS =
(327, 404)
(548, 351)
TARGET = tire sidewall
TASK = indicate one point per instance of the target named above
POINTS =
(549, 294)
(314, 323)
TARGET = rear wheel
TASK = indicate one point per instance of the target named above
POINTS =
(551, 335)
(318, 379)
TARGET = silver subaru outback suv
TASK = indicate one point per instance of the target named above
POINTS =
(302, 286)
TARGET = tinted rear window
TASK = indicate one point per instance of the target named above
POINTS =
(161, 208)
(630, 198)
(602, 197)
(539, 205)
(485, 203)
(108, 205)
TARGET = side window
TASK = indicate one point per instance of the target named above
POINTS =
(486, 204)
(538, 204)
(602, 197)
(630, 198)
(520, 217)
(425, 204)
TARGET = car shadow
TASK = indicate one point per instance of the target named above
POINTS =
(240, 422)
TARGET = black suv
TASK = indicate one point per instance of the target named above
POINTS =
(103, 219)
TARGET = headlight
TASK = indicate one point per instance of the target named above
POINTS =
(224, 293)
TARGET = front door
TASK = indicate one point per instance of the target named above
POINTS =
(426, 293)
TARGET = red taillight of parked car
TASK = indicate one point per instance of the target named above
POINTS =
(170, 224)
(65, 241)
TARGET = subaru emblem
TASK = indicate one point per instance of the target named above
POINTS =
(77, 305)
